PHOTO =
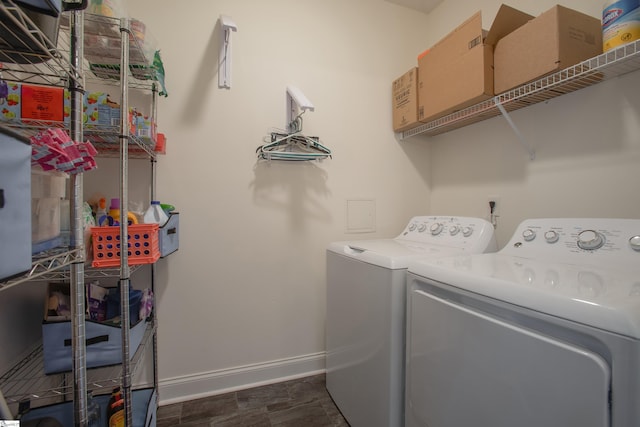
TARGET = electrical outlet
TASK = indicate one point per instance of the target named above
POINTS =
(498, 205)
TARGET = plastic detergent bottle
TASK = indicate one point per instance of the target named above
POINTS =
(155, 214)
(101, 213)
(115, 411)
(114, 213)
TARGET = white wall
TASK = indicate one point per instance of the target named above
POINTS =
(243, 300)
(586, 143)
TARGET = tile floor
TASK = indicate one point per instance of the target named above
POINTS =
(297, 403)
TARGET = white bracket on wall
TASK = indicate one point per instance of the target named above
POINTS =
(296, 101)
(224, 59)
(523, 141)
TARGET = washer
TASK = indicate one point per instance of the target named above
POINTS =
(366, 300)
(545, 332)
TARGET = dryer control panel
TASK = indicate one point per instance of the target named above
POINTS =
(451, 231)
(577, 240)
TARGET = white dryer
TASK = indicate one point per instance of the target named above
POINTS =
(545, 332)
(366, 300)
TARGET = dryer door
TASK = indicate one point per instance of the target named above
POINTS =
(466, 368)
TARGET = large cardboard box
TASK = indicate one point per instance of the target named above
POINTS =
(404, 91)
(557, 39)
(457, 72)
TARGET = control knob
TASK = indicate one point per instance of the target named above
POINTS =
(422, 227)
(467, 231)
(436, 228)
(412, 226)
(528, 235)
(635, 243)
(455, 229)
(590, 240)
(551, 236)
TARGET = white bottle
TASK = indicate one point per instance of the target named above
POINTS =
(155, 214)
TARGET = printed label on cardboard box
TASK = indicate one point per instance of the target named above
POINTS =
(42, 103)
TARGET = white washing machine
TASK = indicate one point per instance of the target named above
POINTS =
(545, 332)
(366, 300)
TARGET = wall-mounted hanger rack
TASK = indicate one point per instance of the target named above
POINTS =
(293, 144)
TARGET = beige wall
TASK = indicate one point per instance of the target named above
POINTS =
(586, 143)
(243, 300)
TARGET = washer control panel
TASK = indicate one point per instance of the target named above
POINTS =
(464, 232)
(577, 239)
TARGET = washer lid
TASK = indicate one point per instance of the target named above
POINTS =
(393, 254)
(608, 299)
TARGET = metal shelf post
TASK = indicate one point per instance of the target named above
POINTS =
(77, 238)
(124, 203)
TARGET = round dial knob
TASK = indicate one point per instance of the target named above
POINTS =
(422, 227)
(551, 236)
(635, 243)
(454, 230)
(528, 235)
(467, 231)
(436, 228)
(590, 240)
(412, 226)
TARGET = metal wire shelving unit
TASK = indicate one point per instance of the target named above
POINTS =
(62, 64)
(608, 65)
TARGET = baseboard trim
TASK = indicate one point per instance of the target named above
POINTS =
(205, 384)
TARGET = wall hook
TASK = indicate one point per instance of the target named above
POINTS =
(224, 60)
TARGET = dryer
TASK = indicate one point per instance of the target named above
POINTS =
(545, 332)
(366, 300)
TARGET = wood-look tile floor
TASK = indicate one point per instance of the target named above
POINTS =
(298, 403)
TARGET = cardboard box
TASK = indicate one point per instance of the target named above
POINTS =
(97, 109)
(404, 91)
(11, 106)
(27, 102)
(457, 72)
(557, 39)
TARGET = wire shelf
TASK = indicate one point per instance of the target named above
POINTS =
(47, 264)
(28, 55)
(608, 65)
(26, 380)
(102, 48)
(106, 139)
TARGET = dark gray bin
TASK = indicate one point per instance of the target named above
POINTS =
(15, 204)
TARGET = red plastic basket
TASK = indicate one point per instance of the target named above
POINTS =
(142, 240)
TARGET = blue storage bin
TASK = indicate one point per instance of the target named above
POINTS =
(169, 235)
(103, 344)
(113, 304)
(15, 204)
(144, 406)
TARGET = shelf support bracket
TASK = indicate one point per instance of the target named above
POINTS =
(523, 141)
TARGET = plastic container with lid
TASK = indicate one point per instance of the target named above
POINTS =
(620, 23)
